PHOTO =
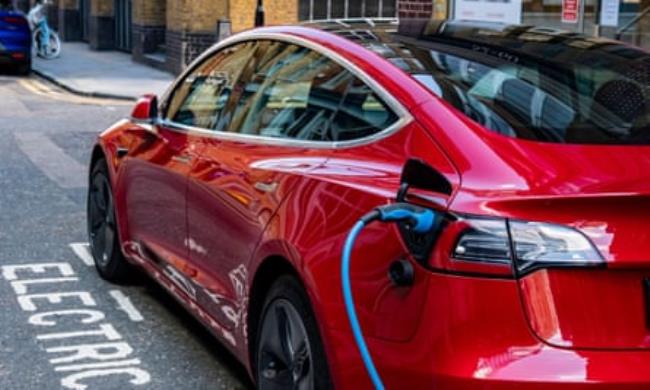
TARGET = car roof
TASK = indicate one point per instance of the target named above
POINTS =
(396, 40)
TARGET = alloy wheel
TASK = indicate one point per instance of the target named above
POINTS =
(101, 219)
(284, 355)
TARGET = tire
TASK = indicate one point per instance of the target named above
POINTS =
(102, 227)
(289, 352)
(54, 45)
(25, 69)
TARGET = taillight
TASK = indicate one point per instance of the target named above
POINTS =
(17, 20)
(496, 246)
(538, 245)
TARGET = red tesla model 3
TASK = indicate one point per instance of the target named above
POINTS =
(237, 191)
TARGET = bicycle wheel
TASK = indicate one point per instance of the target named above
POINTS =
(36, 42)
(54, 48)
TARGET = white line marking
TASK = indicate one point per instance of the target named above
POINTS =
(79, 367)
(82, 250)
(124, 304)
(62, 169)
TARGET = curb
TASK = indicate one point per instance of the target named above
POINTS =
(97, 95)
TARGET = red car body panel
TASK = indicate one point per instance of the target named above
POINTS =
(239, 203)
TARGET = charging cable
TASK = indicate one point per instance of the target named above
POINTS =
(419, 220)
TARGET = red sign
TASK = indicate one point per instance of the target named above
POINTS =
(570, 11)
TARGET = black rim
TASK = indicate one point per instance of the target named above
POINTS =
(284, 355)
(101, 219)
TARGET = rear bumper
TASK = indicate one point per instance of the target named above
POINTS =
(15, 57)
(473, 334)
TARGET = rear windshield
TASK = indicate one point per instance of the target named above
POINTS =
(580, 93)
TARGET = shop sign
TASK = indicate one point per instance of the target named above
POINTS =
(501, 11)
(609, 13)
(570, 11)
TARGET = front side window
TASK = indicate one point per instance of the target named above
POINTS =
(297, 93)
(200, 99)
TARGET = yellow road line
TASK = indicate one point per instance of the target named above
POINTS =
(38, 88)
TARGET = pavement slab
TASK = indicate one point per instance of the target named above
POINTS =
(101, 73)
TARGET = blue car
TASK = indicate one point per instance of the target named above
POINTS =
(15, 38)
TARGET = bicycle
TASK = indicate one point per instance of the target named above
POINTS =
(45, 41)
(47, 51)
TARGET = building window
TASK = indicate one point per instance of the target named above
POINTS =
(343, 9)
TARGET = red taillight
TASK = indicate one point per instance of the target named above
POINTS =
(17, 20)
(503, 247)
(18, 56)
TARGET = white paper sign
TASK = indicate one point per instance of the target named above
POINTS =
(503, 11)
(609, 13)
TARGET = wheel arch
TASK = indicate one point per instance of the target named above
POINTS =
(268, 271)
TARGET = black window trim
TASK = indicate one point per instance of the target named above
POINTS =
(403, 115)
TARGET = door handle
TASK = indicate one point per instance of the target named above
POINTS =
(183, 159)
(122, 152)
(265, 187)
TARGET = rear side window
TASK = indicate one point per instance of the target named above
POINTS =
(297, 93)
(201, 98)
(361, 114)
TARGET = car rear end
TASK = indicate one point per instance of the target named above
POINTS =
(15, 40)
(541, 275)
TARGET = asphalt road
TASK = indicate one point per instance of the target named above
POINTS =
(61, 326)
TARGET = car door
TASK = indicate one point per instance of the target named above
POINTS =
(282, 104)
(160, 159)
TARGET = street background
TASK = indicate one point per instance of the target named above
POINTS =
(47, 135)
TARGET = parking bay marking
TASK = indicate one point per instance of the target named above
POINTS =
(79, 358)
(124, 304)
(82, 250)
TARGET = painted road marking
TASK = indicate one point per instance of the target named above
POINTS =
(124, 304)
(52, 160)
(82, 250)
(91, 350)
(42, 89)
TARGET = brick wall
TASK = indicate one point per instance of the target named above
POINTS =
(242, 14)
(280, 12)
(150, 12)
(69, 20)
(149, 28)
(101, 7)
(184, 47)
(415, 8)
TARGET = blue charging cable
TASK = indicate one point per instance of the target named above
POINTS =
(419, 220)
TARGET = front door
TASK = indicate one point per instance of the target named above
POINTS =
(284, 96)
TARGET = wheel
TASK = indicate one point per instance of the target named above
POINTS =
(102, 227)
(289, 350)
(25, 69)
(52, 50)
(54, 47)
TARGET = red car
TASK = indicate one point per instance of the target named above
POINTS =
(238, 190)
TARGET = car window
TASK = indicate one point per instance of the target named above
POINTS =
(201, 98)
(295, 92)
(584, 102)
(361, 114)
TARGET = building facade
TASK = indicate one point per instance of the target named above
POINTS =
(169, 34)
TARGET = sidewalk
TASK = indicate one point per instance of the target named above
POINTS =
(110, 74)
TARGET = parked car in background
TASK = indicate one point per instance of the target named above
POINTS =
(238, 190)
(15, 39)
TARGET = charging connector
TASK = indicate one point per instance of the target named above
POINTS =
(420, 220)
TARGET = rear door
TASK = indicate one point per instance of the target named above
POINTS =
(281, 107)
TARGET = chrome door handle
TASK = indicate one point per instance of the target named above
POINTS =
(183, 159)
(265, 187)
